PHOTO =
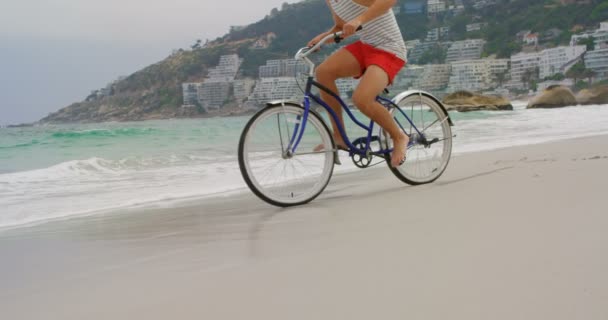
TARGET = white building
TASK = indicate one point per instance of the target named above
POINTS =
(435, 6)
(226, 69)
(242, 89)
(600, 35)
(432, 35)
(554, 60)
(212, 95)
(476, 75)
(465, 50)
(521, 64)
(268, 89)
(345, 87)
(434, 77)
(531, 39)
(190, 93)
(214, 92)
(282, 68)
(407, 77)
(597, 60)
(475, 26)
(411, 44)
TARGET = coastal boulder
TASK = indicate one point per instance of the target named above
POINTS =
(553, 97)
(465, 101)
(597, 95)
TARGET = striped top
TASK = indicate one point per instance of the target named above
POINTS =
(382, 32)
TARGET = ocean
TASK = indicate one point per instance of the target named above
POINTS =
(62, 171)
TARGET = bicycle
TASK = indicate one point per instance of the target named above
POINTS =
(277, 156)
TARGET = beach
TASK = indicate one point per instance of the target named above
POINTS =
(514, 233)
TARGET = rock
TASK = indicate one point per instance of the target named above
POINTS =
(553, 97)
(465, 101)
(597, 95)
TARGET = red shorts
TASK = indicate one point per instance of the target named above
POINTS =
(368, 55)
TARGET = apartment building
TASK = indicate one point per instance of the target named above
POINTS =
(212, 95)
(275, 88)
(435, 77)
(597, 60)
(346, 86)
(226, 69)
(476, 75)
(414, 7)
(554, 60)
(214, 91)
(435, 6)
(190, 93)
(282, 68)
(521, 64)
(412, 44)
(475, 26)
(465, 50)
(407, 77)
(242, 89)
(600, 35)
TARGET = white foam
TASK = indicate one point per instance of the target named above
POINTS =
(92, 185)
(88, 186)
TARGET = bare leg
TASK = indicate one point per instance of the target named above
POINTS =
(372, 83)
(341, 64)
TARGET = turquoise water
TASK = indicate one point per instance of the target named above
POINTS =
(60, 171)
(39, 147)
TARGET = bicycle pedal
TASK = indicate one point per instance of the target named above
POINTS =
(337, 159)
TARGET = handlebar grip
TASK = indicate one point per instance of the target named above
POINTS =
(338, 38)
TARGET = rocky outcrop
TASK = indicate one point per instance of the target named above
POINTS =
(597, 95)
(553, 97)
(465, 101)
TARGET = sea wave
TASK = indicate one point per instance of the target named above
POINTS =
(79, 134)
(82, 187)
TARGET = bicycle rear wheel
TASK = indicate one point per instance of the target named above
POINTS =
(430, 146)
(274, 175)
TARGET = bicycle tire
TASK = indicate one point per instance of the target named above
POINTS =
(422, 109)
(285, 193)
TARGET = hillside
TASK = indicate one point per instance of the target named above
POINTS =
(155, 92)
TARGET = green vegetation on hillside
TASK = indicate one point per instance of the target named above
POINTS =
(155, 91)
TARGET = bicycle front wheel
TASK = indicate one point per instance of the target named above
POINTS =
(430, 147)
(271, 171)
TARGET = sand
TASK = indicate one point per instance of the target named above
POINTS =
(518, 233)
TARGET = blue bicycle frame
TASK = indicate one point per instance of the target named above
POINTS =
(300, 127)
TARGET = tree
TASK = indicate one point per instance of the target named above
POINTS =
(197, 44)
(529, 78)
(589, 74)
(274, 12)
(576, 72)
(501, 77)
(589, 42)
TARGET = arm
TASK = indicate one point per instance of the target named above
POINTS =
(338, 24)
(376, 9)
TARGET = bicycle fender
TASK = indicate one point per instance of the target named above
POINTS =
(283, 103)
(408, 93)
(275, 103)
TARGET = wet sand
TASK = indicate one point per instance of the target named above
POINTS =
(518, 233)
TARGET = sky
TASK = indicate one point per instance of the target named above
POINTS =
(55, 52)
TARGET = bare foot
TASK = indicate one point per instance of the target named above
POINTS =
(399, 149)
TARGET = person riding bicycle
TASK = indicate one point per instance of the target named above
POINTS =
(375, 58)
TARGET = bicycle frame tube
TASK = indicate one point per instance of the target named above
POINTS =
(369, 129)
(402, 113)
(300, 127)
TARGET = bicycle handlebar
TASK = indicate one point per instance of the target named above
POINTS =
(304, 52)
